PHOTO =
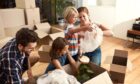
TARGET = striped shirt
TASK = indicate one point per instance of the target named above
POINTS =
(12, 64)
(72, 38)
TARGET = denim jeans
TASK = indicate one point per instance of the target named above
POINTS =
(95, 56)
(51, 67)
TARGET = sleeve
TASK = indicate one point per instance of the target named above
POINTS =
(68, 27)
(11, 70)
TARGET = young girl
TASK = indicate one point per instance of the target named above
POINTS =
(71, 32)
(58, 53)
(93, 51)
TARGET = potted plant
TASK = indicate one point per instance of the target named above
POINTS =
(60, 6)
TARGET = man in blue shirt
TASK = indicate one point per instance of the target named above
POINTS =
(14, 56)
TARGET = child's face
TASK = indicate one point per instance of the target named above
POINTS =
(84, 18)
(65, 49)
(72, 19)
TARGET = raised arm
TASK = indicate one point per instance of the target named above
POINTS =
(106, 31)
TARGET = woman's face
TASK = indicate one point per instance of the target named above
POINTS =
(84, 19)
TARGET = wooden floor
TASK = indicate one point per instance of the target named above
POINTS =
(133, 70)
(108, 47)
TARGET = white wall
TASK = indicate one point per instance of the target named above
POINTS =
(103, 15)
(126, 13)
(118, 17)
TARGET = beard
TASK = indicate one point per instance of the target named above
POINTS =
(27, 53)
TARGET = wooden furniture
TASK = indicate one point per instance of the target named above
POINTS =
(135, 32)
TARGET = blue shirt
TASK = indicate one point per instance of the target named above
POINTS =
(12, 64)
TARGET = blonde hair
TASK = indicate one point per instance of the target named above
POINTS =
(69, 11)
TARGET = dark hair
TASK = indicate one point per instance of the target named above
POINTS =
(58, 44)
(25, 36)
(83, 9)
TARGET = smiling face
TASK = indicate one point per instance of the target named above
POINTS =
(27, 49)
(84, 19)
(72, 19)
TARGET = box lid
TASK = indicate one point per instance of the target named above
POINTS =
(55, 35)
(41, 34)
(102, 78)
(45, 27)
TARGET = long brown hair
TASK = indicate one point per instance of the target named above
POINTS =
(58, 44)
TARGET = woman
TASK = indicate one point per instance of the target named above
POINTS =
(98, 30)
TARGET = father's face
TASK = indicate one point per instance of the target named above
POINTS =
(29, 48)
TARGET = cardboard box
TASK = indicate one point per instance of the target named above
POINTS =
(25, 4)
(44, 56)
(101, 75)
(47, 33)
(119, 66)
(4, 41)
(11, 31)
(12, 17)
(45, 48)
(2, 33)
(32, 16)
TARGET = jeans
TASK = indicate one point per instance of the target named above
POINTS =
(95, 56)
(51, 67)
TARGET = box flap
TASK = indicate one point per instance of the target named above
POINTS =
(55, 30)
(121, 53)
(55, 35)
(129, 65)
(102, 78)
(118, 68)
(41, 34)
(45, 27)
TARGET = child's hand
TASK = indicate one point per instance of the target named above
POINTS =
(80, 52)
(88, 27)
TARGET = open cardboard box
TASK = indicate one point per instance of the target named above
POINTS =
(47, 33)
(119, 66)
(101, 75)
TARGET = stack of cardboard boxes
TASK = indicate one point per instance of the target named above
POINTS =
(32, 14)
(26, 14)
(13, 19)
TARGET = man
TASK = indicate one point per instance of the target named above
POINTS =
(14, 56)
